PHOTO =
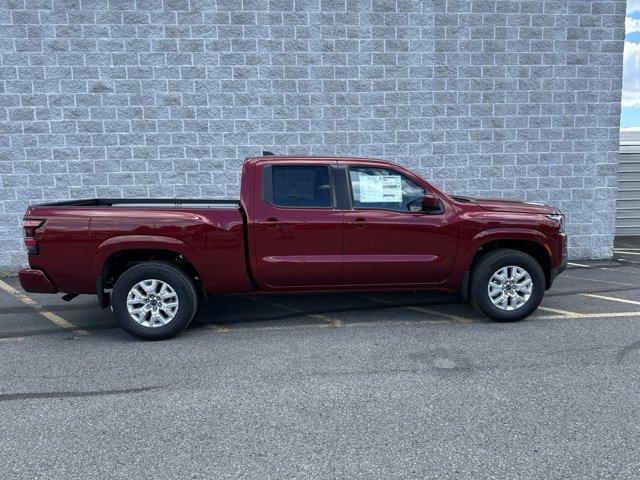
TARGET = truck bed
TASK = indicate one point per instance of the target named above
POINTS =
(88, 233)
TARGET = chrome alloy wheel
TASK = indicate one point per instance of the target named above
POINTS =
(152, 303)
(510, 288)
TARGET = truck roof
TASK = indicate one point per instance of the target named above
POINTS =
(313, 158)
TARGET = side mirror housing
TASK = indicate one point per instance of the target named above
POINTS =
(430, 202)
(427, 204)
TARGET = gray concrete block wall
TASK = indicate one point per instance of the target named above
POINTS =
(140, 98)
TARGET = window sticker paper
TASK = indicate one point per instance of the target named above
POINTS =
(380, 189)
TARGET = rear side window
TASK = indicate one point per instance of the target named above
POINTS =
(301, 186)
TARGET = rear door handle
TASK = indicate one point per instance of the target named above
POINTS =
(360, 223)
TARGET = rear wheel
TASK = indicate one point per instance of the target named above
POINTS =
(506, 285)
(154, 300)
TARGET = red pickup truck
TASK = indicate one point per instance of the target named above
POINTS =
(301, 224)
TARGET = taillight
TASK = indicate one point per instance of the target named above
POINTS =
(29, 227)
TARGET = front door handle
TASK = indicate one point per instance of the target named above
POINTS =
(360, 223)
(271, 222)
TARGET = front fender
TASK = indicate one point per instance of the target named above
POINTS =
(468, 249)
(508, 233)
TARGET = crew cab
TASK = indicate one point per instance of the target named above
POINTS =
(301, 224)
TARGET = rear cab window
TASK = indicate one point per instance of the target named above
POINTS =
(298, 186)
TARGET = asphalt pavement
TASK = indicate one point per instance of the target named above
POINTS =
(396, 385)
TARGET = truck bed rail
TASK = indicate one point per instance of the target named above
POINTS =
(145, 203)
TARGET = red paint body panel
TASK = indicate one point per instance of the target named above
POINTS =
(35, 281)
(75, 242)
(514, 206)
(410, 249)
(302, 249)
(479, 227)
(295, 248)
(256, 246)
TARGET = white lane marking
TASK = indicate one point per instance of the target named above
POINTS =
(588, 315)
(622, 252)
(613, 299)
(601, 281)
(52, 317)
(566, 313)
(626, 249)
(318, 316)
(593, 267)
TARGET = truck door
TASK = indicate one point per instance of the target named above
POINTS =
(297, 226)
(385, 243)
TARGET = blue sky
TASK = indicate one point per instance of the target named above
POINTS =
(631, 80)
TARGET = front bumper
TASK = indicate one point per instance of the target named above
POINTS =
(35, 281)
(557, 271)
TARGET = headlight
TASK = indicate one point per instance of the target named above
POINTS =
(559, 219)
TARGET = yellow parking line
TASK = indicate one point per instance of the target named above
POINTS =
(613, 299)
(429, 311)
(334, 322)
(455, 318)
(52, 317)
(268, 328)
(275, 304)
(219, 328)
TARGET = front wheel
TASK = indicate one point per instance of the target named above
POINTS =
(154, 300)
(507, 285)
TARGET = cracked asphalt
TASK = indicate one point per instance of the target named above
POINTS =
(398, 385)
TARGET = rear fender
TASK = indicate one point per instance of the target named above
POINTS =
(140, 242)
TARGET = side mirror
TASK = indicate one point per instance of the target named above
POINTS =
(427, 204)
(430, 203)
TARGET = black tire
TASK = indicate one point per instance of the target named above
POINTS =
(481, 274)
(176, 279)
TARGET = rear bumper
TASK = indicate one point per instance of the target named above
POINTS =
(35, 281)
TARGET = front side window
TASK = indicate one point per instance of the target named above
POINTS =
(374, 187)
(301, 186)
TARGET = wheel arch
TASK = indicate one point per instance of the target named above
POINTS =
(538, 251)
(121, 260)
(527, 240)
(116, 255)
